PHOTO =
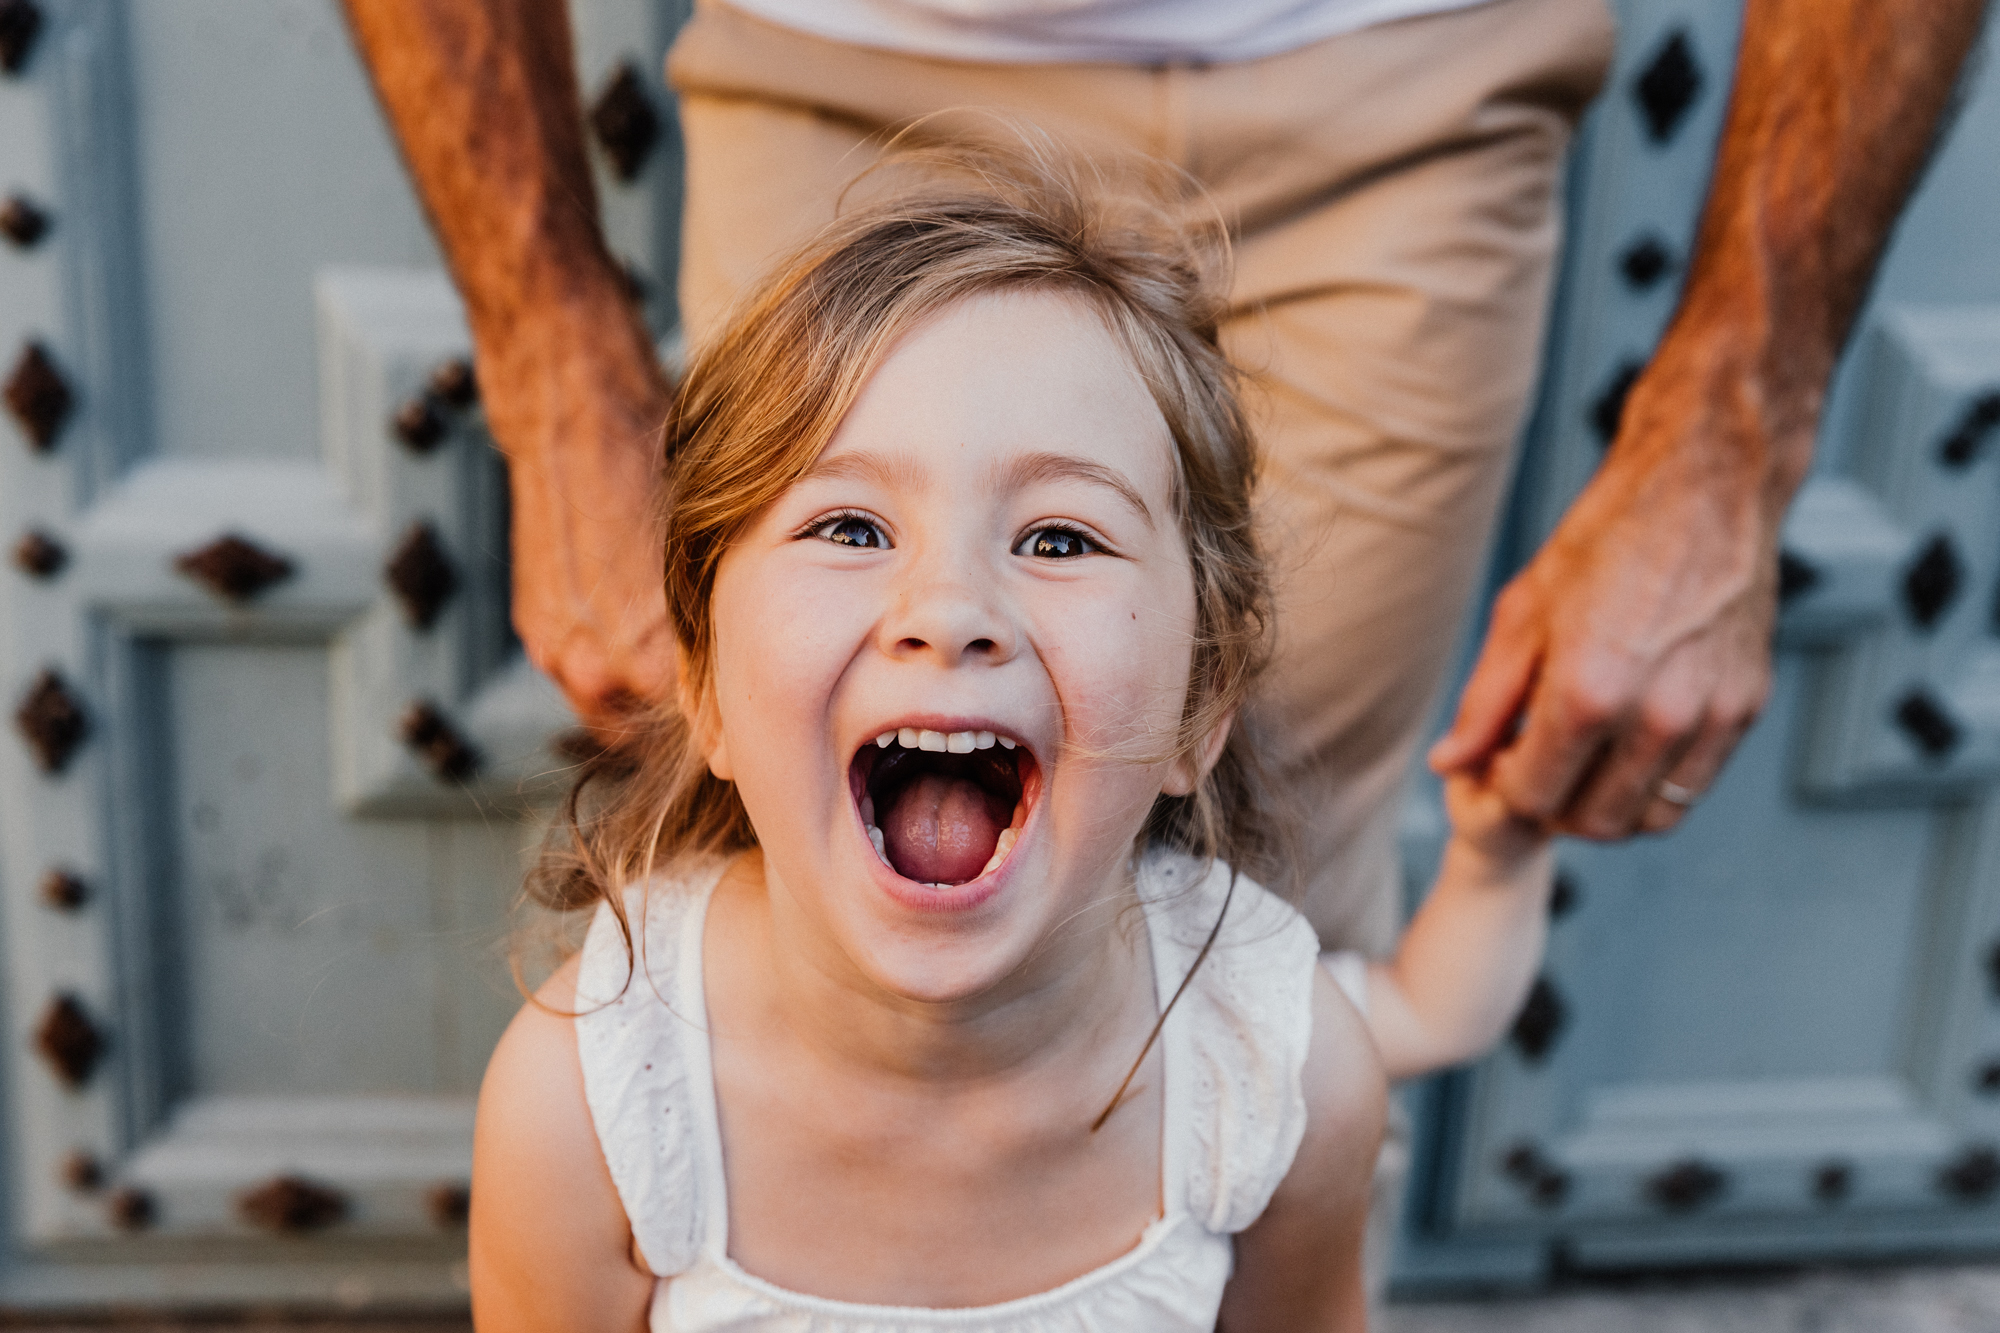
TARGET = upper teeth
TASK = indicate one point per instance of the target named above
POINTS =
(944, 742)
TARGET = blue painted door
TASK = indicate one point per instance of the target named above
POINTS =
(1774, 1034)
(270, 753)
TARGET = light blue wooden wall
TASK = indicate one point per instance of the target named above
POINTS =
(1771, 1035)
(242, 1038)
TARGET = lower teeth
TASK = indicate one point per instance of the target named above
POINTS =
(1000, 849)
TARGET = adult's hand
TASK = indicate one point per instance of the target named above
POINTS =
(1628, 658)
(1634, 650)
(588, 602)
(483, 99)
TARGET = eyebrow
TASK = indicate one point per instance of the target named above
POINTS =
(901, 470)
(1032, 468)
(896, 471)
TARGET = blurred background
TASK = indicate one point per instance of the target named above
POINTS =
(273, 751)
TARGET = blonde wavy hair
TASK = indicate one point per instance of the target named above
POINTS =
(761, 400)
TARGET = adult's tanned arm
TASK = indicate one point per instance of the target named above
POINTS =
(482, 96)
(1635, 647)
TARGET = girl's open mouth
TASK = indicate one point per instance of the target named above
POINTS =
(943, 808)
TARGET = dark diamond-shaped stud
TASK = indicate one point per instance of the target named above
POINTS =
(437, 743)
(1522, 1162)
(1546, 1185)
(1796, 576)
(1972, 1176)
(81, 1171)
(63, 891)
(1564, 896)
(1540, 1021)
(21, 222)
(39, 555)
(291, 1204)
(1609, 408)
(131, 1209)
(419, 424)
(1925, 721)
(1685, 1186)
(448, 1204)
(38, 397)
(1645, 262)
(1668, 86)
(421, 576)
(1932, 582)
(1986, 1078)
(1968, 438)
(69, 1041)
(1832, 1182)
(20, 22)
(52, 722)
(234, 568)
(625, 123)
(454, 384)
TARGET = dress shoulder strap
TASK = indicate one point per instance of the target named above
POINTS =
(642, 1039)
(1245, 1023)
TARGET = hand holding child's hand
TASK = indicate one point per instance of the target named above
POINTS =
(1482, 821)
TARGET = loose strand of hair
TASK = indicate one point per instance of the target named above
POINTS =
(1118, 1097)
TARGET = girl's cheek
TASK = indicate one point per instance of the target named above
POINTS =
(1119, 665)
(808, 613)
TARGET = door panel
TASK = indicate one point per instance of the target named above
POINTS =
(1772, 1034)
(274, 754)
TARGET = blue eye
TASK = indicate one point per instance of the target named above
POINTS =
(1056, 544)
(852, 530)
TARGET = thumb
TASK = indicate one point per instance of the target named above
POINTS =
(1491, 701)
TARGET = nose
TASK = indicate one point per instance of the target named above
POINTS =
(947, 608)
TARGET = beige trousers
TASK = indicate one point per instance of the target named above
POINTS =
(1393, 198)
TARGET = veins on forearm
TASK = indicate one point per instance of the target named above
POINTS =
(483, 99)
(1834, 113)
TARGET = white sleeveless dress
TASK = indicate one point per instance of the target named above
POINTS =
(1234, 1114)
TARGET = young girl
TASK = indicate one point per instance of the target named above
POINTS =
(921, 993)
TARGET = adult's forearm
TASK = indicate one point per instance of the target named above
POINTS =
(483, 99)
(1835, 111)
(1634, 651)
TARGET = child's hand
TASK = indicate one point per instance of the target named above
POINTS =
(1467, 959)
(1482, 821)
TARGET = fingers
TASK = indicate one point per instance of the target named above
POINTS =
(1652, 739)
(1620, 796)
(1498, 688)
(609, 688)
(1667, 752)
(1483, 820)
(1694, 774)
(1572, 720)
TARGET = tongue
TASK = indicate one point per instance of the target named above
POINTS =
(941, 830)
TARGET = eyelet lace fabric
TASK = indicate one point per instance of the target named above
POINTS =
(1247, 1017)
(1234, 1049)
(633, 1033)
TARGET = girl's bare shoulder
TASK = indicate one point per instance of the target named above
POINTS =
(550, 1246)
